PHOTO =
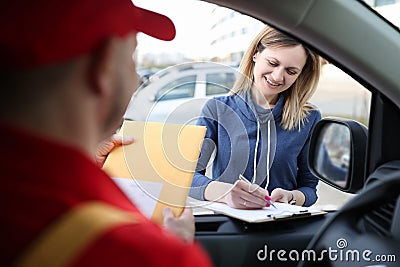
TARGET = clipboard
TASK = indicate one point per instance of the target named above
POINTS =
(156, 171)
(282, 212)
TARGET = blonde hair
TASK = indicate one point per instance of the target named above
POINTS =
(296, 107)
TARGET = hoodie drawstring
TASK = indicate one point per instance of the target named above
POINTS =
(255, 153)
(268, 152)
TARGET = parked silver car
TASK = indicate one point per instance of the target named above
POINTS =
(178, 93)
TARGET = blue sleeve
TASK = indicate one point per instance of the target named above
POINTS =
(306, 181)
(200, 180)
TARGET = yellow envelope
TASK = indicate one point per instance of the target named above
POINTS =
(161, 163)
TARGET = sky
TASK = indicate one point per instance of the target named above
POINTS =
(187, 26)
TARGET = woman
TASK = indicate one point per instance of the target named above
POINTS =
(267, 114)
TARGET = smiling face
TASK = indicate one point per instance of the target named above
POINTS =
(276, 69)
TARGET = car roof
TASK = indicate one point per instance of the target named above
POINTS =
(193, 67)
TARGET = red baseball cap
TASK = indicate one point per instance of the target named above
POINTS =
(41, 32)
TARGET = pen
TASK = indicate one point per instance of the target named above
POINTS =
(241, 177)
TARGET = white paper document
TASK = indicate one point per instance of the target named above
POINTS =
(143, 194)
(282, 211)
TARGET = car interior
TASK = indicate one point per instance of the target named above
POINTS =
(366, 230)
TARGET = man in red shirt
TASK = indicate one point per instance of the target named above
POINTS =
(66, 76)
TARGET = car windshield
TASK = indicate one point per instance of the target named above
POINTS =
(222, 38)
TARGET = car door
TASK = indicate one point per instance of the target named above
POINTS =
(171, 98)
(360, 82)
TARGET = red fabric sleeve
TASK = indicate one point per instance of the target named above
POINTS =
(142, 244)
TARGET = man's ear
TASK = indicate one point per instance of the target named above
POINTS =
(101, 67)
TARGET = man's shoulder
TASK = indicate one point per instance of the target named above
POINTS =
(145, 244)
(98, 233)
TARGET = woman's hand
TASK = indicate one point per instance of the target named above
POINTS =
(105, 147)
(182, 226)
(286, 196)
(247, 196)
(240, 195)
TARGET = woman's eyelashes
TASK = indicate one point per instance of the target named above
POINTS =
(272, 63)
(289, 71)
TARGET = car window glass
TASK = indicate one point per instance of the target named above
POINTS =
(223, 38)
(219, 83)
(389, 9)
(339, 95)
(179, 88)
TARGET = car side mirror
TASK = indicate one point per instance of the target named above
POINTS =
(337, 153)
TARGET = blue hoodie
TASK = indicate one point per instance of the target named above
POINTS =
(237, 129)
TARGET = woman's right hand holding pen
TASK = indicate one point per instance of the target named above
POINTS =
(240, 195)
(246, 195)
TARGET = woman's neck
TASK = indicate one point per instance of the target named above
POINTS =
(262, 100)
